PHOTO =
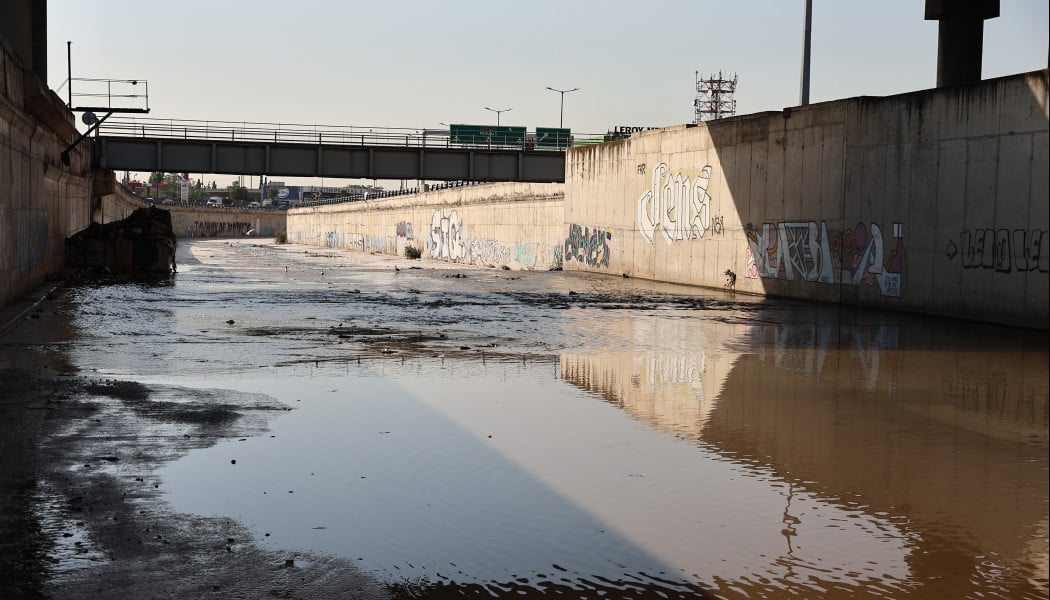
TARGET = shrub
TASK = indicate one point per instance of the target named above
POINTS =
(412, 252)
(281, 237)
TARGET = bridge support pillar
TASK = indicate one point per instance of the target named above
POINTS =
(960, 38)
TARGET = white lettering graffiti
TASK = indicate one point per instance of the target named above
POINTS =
(676, 204)
(446, 236)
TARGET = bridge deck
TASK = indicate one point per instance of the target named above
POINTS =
(315, 151)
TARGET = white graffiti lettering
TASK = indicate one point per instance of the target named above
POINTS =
(676, 204)
(446, 237)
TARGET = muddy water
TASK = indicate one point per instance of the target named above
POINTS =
(471, 430)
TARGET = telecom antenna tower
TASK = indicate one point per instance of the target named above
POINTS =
(714, 97)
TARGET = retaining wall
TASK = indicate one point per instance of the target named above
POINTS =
(195, 222)
(934, 201)
(42, 201)
(514, 225)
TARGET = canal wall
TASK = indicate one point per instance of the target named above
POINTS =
(195, 221)
(512, 225)
(42, 200)
(933, 201)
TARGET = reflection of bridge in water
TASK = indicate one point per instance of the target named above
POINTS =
(276, 149)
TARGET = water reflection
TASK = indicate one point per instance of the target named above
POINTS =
(942, 431)
(680, 444)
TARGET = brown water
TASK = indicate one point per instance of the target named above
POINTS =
(519, 433)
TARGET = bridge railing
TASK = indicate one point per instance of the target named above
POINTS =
(294, 133)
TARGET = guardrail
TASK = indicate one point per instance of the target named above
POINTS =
(293, 133)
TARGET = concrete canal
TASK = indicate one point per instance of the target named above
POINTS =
(284, 421)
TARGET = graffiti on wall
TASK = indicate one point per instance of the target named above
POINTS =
(447, 236)
(491, 253)
(676, 204)
(403, 229)
(333, 239)
(1003, 250)
(217, 229)
(403, 236)
(588, 246)
(804, 250)
(537, 256)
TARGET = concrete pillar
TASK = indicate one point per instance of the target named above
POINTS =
(960, 38)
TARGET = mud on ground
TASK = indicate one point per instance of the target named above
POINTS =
(81, 514)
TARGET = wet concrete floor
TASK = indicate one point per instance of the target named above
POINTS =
(289, 422)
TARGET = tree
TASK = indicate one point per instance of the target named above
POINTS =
(156, 177)
(238, 194)
(197, 192)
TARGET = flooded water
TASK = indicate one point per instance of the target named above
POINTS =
(463, 431)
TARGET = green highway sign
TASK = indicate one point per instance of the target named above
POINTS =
(552, 138)
(487, 135)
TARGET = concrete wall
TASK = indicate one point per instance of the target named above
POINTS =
(934, 201)
(194, 222)
(517, 225)
(41, 201)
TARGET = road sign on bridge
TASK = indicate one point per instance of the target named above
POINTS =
(552, 138)
(487, 135)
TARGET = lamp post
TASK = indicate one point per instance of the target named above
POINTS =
(503, 110)
(561, 113)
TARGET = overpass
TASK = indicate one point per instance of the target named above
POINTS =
(291, 150)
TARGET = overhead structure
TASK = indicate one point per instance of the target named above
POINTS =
(714, 97)
(960, 38)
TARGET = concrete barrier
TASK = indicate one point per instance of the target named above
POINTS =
(512, 225)
(933, 201)
(195, 221)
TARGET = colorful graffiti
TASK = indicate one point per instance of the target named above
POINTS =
(403, 236)
(403, 229)
(677, 205)
(447, 237)
(1003, 250)
(537, 256)
(804, 250)
(588, 246)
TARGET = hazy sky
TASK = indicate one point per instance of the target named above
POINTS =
(409, 63)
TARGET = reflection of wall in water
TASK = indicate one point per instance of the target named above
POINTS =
(922, 441)
(663, 372)
(804, 348)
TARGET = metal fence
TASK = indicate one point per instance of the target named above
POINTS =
(294, 133)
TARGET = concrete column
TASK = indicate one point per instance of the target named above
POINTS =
(960, 38)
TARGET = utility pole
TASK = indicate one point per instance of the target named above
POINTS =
(806, 35)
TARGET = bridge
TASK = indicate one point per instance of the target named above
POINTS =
(275, 149)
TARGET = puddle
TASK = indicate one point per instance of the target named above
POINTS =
(508, 476)
(555, 433)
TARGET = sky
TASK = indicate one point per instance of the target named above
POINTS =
(419, 64)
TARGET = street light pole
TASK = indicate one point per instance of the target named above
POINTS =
(561, 113)
(498, 112)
